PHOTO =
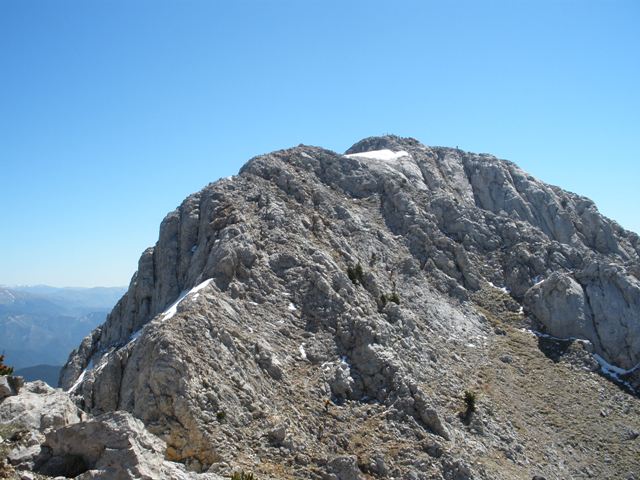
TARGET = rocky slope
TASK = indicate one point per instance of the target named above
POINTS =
(325, 316)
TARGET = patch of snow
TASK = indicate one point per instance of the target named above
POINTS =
(194, 248)
(614, 372)
(612, 369)
(99, 368)
(384, 154)
(173, 308)
(134, 336)
(502, 289)
(606, 368)
(253, 303)
(546, 335)
(537, 280)
(291, 307)
(78, 381)
(343, 360)
(303, 353)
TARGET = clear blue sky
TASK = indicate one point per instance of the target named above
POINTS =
(111, 112)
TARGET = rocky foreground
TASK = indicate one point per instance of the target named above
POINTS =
(400, 311)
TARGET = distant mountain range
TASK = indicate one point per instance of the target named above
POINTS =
(40, 324)
(47, 373)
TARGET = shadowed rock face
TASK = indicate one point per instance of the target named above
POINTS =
(273, 317)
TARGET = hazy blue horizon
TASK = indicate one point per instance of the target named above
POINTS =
(114, 112)
(65, 287)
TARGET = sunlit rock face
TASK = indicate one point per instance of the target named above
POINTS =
(316, 293)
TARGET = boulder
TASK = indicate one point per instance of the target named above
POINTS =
(114, 445)
(10, 385)
(599, 303)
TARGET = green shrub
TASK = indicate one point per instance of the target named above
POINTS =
(470, 398)
(4, 369)
(390, 297)
(221, 415)
(355, 274)
(383, 300)
(243, 476)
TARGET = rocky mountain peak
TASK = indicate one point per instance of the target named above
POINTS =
(386, 142)
(334, 312)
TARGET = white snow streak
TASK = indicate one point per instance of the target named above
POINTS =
(606, 368)
(292, 307)
(614, 372)
(502, 289)
(385, 154)
(173, 309)
(303, 353)
(78, 381)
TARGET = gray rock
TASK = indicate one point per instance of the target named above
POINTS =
(345, 468)
(10, 385)
(114, 445)
(506, 359)
(599, 303)
(429, 416)
(278, 434)
(342, 384)
(38, 407)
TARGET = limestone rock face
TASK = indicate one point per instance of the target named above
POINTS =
(35, 411)
(114, 445)
(40, 407)
(326, 297)
(599, 303)
(10, 385)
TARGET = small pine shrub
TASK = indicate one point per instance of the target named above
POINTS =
(355, 274)
(391, 297)
(470, 398)
(383, 300)
(221, 415)
(243, 476)
(4, 369)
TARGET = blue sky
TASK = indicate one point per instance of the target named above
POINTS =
(111, 112)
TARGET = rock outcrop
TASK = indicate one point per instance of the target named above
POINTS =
(28, 416)
(10, 385)
(49, 435)
(317, 303)
(114, 445)
(600, 303)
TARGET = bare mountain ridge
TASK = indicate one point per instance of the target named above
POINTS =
(468, 218)
(325, 316)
